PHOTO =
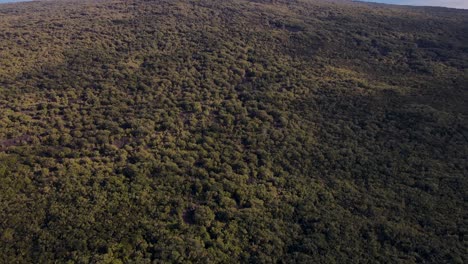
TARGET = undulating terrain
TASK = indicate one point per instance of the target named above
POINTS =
(210, 131)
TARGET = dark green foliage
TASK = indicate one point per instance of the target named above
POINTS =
(232, 131)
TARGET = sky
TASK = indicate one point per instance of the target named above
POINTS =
(446, 3)
(11, 1)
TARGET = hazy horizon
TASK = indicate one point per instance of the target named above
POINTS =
(463, 4)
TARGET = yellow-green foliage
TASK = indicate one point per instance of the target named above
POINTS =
(209, 131)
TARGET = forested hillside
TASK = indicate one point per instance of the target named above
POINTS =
(211, 131)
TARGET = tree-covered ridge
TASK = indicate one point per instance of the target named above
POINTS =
(232, 131)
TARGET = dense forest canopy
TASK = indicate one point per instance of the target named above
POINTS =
(210, 131)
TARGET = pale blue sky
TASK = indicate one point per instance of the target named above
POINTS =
(446, 3)
(10, 1)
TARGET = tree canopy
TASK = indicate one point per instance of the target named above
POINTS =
(209, 131)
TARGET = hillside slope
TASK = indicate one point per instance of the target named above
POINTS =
(212, 131)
